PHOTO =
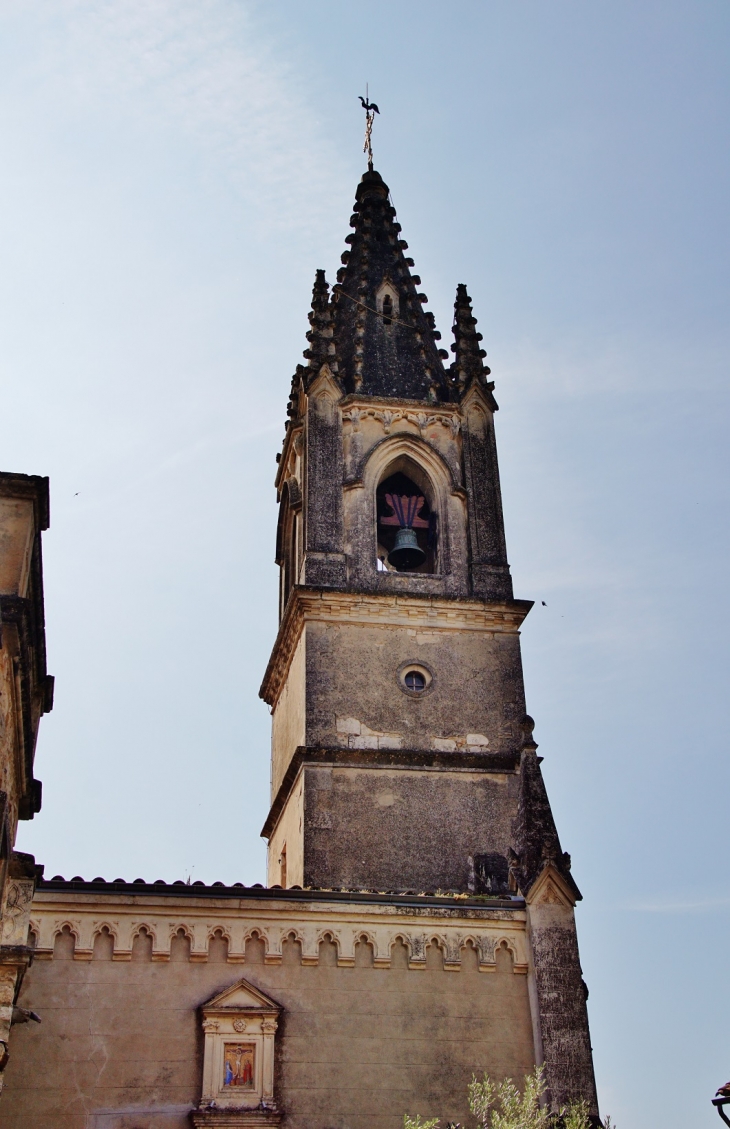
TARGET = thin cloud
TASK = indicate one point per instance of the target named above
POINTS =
(200, 70)
(176, 459)
(687, 905)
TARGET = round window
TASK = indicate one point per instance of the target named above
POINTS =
(415, 681)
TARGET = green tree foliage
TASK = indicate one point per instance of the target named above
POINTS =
(503, 1106)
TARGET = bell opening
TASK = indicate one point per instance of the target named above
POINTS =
(406, 526)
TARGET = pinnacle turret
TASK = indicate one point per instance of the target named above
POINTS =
(536, 841)
(321, 349)
(468, 354)
(321, 335)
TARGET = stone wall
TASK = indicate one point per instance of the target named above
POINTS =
(371, 1028)
(361, 825)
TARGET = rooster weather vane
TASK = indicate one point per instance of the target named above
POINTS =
(370, 111)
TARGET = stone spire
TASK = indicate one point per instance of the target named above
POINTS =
(386, 343)
(469, 356)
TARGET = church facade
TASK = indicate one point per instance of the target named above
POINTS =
(418, 922)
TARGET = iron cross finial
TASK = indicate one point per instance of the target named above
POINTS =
(370, 111)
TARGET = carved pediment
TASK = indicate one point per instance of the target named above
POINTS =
(325, 385)
(550, 888)
(242, 996)
(479, 397)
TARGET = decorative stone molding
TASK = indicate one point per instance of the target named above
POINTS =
(381, 925)
(551, 889)
(239, 1027)
(388, 418)
(443, 615)
(16, 911)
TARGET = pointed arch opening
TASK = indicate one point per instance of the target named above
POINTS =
(406, 519)
(386, 302)
(288, 540)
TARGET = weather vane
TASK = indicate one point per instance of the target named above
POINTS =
(370, 111)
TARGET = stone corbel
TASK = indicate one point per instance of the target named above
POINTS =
(451, 946)
(310, 946)
(486, 948)
(199, 942)
(416, 950)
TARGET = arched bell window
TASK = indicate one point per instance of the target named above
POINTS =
(407, 522)
(288, 548)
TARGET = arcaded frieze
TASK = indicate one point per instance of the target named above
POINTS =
(84, 917)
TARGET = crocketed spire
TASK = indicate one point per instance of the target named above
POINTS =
(292, 408)
(386, 343)
(468, 354)
(321, 335)
(321, 348)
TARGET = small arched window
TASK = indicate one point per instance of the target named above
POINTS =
(386, 302)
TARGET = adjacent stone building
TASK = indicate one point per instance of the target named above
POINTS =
(26, 692)
(418, 920)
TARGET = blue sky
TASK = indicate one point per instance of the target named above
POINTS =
(173, 174)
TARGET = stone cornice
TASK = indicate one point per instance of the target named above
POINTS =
(423, 759)
(330, 605)
(355, 400)
(30, 487)
(86, 909)
(16, 956)
(389, 413)
(55, 894)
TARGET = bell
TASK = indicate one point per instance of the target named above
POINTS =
(406, 554)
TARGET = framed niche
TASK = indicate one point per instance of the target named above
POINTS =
(239, 1029)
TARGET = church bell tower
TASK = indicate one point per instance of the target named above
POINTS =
(402, 754)
(395, 682)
